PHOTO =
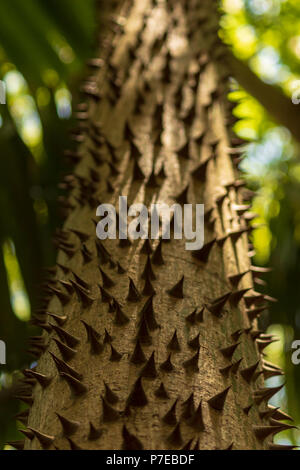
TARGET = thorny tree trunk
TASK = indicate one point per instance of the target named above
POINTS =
(153, 346)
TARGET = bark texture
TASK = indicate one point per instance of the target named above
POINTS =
(148, 345)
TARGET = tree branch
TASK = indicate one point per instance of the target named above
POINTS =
(271, 97)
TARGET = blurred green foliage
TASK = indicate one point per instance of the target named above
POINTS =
(43, 46)
(266, 35)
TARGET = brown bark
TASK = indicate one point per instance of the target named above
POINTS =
(179, 368)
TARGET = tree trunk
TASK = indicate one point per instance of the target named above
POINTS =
(148, 345)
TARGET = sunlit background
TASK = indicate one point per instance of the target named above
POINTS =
(43, 47)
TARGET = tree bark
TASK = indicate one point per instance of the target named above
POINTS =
(279, 106)
(148, 345)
